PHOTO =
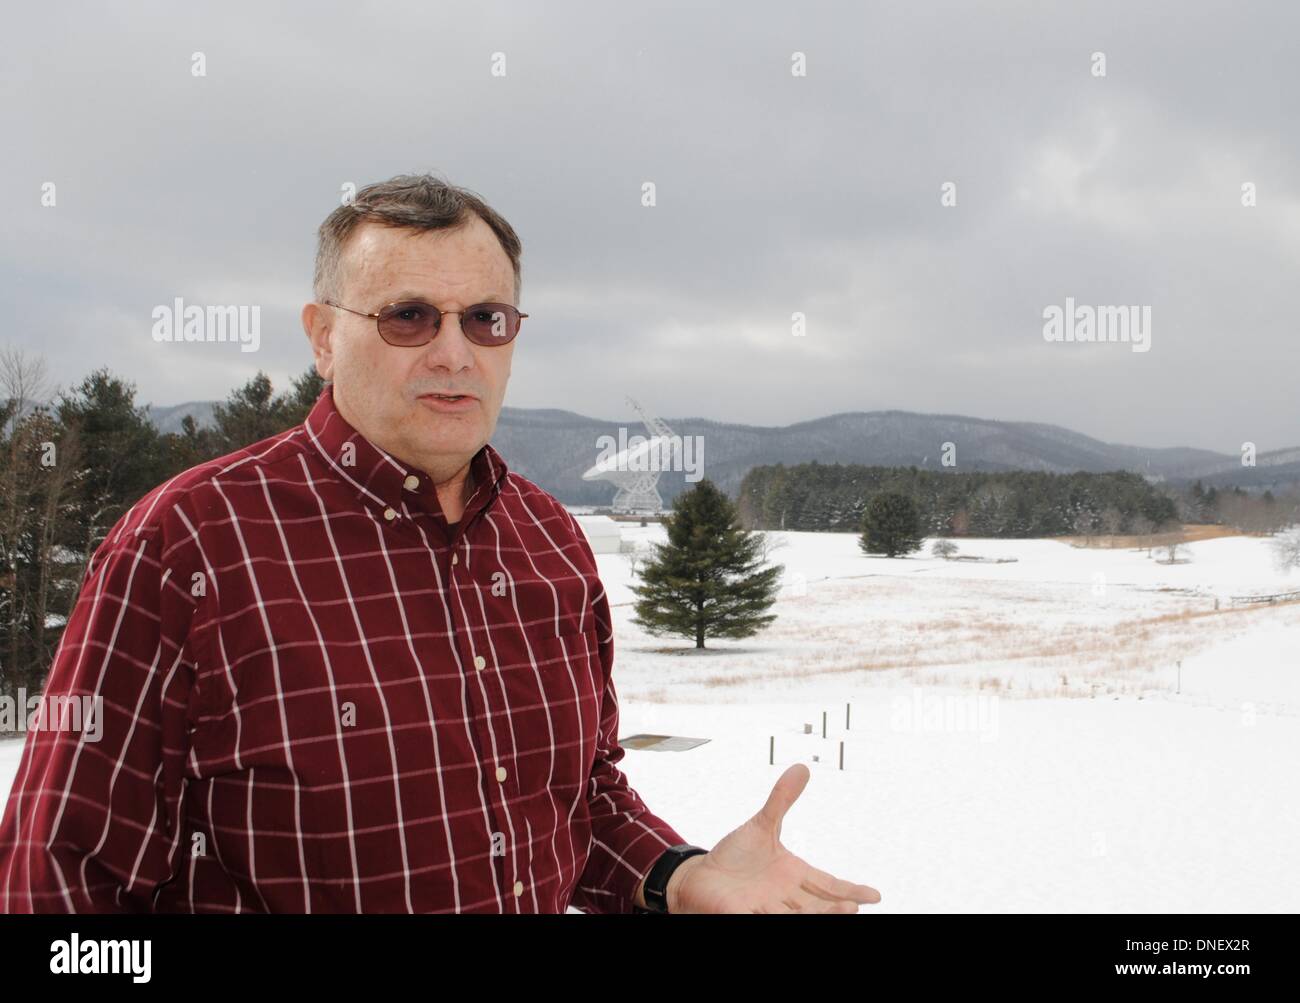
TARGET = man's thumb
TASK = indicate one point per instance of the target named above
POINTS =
(786, 791)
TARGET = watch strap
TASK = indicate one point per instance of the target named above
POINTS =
(656, 882)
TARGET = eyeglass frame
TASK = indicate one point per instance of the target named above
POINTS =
(437, 329)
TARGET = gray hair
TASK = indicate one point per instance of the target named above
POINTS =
(414, 201)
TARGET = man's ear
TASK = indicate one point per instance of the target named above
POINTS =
(318, 323)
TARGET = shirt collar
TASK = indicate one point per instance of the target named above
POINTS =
(381, 480)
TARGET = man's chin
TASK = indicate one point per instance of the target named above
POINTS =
(451, 432)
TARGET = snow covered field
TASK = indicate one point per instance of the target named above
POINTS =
(1017, 739)
(1021, 735)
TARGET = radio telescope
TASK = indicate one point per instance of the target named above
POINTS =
(634, 470)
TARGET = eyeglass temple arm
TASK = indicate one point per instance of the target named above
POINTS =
(340, 306)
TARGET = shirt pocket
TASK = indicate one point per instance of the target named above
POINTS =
(555, 701)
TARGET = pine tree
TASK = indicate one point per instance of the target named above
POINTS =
(708, 579)
(891, 525)
(118, 453)
(250, 414)
(302, 398)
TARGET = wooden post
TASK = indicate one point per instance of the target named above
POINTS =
(771, 751)
(823, 724)
(846, 716)
(841, 754)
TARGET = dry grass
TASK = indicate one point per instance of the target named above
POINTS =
(1188, 534)
(1032, 658)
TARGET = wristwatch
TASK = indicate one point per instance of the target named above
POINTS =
(656, 882)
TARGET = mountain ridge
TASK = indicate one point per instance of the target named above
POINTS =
(554, 446)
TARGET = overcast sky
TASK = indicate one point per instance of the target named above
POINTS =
(776, 194)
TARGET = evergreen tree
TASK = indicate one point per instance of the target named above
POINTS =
(189, 447)
(254, 412)
(300, 400)
(117, 443)
(118, 457)
(891, 525)
(249, 415)
(1209, 511)
(708, 579)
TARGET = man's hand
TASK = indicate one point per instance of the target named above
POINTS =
(750, 871)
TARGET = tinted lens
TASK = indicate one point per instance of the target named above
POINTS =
(408, 323)
(490, 323)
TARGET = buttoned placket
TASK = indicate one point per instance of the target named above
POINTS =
(449, 564)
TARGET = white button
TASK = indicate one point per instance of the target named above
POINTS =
(519, 888)
(412, 482)
(501, 773)
(389, 514)
(455, 558)
(479, 661)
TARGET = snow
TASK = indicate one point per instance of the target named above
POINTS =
(1022, 735)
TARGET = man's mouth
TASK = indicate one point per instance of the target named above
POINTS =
(449, 397)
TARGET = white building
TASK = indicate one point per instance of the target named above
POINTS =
(603, 533)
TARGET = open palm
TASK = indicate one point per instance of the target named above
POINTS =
(750, 871)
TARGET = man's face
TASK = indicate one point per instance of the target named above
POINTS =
(377, 386)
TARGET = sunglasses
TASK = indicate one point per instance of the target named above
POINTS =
(410, 324)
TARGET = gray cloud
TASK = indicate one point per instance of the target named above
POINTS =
(775, 195)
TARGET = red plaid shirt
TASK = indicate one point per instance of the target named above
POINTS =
(319, 697)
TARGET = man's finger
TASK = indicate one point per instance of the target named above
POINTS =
(786, 791)
(830, 886)
(811, 902)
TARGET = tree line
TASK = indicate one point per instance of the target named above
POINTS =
(833, 497)
(1250, 512)
(1015, 503)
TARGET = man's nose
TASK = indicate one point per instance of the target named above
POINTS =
(449, 349)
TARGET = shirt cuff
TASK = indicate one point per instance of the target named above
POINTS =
(617, 871)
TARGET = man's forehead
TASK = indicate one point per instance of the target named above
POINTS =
(402, 261)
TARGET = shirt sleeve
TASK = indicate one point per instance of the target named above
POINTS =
(627, 838)
(92, 821)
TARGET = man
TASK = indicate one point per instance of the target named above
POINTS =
(360, 666)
